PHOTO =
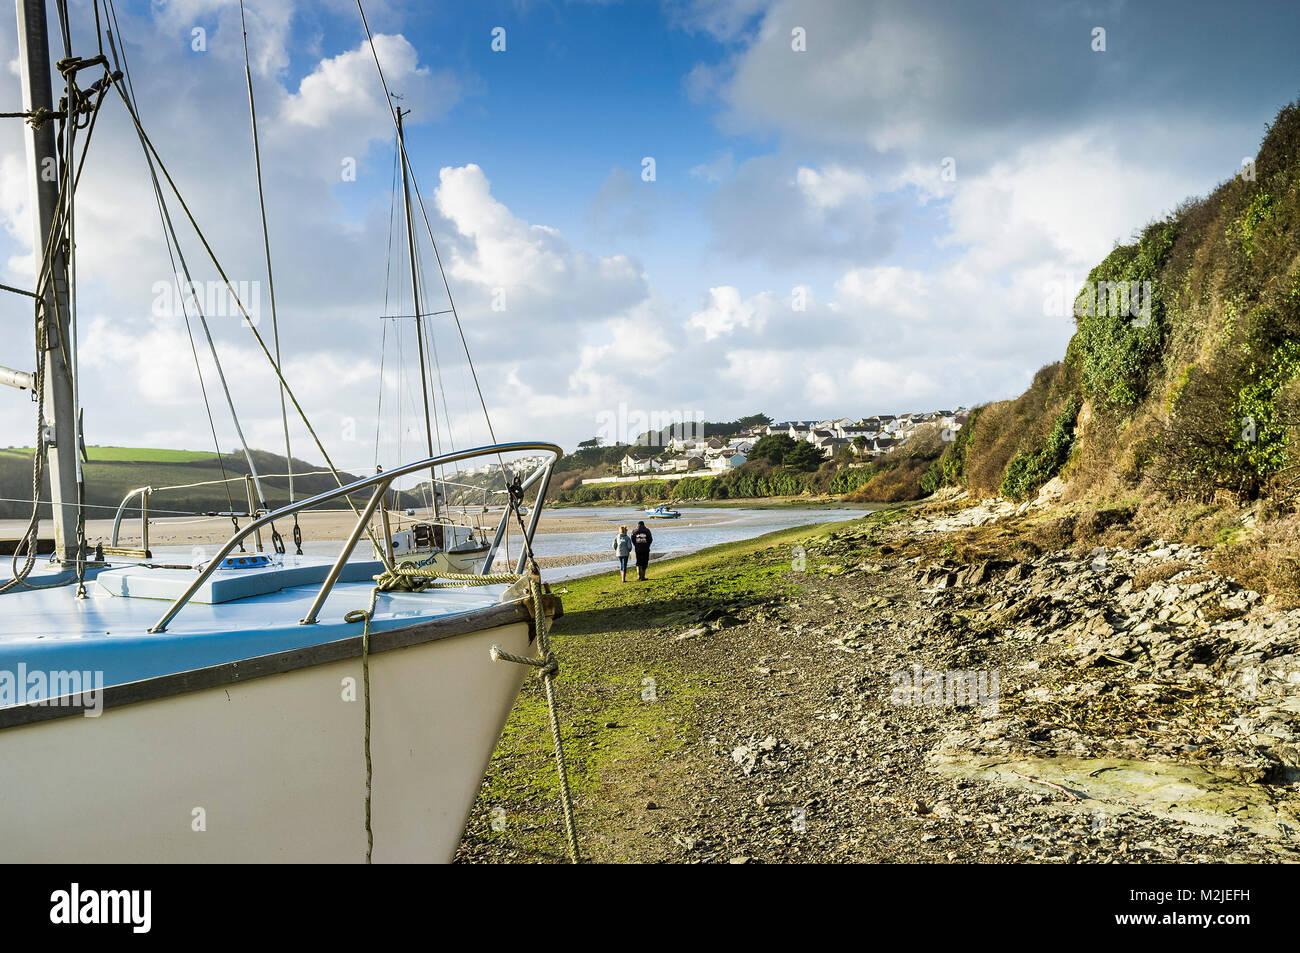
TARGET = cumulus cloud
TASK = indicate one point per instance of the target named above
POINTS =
(526, 272)
(343, 91)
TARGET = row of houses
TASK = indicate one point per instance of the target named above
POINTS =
(718, 454)
(865, 437)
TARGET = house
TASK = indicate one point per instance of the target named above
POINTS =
(724, 461)
(683, 462)
(826, 442)
(633, 463)
(740, 445)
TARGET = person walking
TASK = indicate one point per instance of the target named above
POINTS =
(622, 549)
(641, 540)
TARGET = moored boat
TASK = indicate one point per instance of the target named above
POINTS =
(663, 512)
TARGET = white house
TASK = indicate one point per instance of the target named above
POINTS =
(634, 463)
(725, 461)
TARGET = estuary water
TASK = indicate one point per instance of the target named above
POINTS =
(590, 549)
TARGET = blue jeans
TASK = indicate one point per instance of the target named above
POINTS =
(622, 563)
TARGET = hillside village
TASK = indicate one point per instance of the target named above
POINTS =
(866, 438)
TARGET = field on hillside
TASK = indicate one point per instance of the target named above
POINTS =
(115, 471)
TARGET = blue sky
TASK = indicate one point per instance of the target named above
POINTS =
(780, 173)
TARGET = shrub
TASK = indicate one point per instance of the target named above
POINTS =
(1028, 470)
(1114, 352)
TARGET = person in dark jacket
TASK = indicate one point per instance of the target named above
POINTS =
(641, 540)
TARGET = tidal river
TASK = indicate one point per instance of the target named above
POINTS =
(578, 541)
(570, 542)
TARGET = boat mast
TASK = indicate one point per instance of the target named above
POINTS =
(415, 301)
(52, 308)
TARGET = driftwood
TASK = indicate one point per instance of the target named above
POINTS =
(1074, 795)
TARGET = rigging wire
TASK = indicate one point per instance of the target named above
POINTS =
(168, 236)
(446, 285)
(175, 253)
(270, 284)
(76, 104)
(261, 342)
(383, 341)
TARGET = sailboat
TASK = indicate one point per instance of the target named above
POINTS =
(256, 706)
(439, 541)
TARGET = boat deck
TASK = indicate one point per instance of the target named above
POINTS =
(51, 630)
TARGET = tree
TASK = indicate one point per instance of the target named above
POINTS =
(804, 456)
(859, 443)
(773, 448)
(589, 444)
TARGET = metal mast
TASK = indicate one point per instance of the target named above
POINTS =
(53, 315)
(415, 301)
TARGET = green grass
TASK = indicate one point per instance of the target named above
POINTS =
(606, 656)
(132, 454)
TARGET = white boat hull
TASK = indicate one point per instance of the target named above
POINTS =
(270, 769)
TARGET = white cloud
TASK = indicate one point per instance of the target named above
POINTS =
(344, 90)
(716, 169)
(727, 311)
(532, 267)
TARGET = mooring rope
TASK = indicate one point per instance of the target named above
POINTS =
(416, 577)
(548, 667)
(359, 615)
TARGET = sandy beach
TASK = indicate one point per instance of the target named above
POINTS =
(323, 525)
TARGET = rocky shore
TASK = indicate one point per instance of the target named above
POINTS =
(857, 693)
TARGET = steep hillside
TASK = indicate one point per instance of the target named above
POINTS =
(1181, 378)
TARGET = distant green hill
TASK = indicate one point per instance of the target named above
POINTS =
(114, 471)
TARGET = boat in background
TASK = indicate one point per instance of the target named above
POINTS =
(663, 512)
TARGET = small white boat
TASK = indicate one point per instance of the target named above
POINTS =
(663, 512)
(443, 546)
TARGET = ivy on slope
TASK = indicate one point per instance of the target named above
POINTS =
(1114, 350)
(1030, 469)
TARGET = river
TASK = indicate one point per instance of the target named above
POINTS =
(591, 547)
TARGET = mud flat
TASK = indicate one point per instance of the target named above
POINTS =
(851, 692)
(317, 525)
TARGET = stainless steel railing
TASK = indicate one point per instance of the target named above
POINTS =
(381, 483)
(143, 492)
